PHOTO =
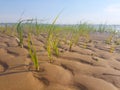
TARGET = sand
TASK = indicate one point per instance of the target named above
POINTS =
(91, 68)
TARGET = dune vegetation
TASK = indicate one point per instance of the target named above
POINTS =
(60, 57)
(56, 35)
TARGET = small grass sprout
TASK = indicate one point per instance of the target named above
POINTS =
(109, 39)
(112, 48)
(71, 42)
(70, 45)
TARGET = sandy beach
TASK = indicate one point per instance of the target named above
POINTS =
(91, 68)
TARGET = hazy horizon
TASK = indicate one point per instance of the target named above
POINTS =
(91, 11)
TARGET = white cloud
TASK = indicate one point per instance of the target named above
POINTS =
(113, 9)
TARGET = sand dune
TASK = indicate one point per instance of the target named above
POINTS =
(93, 68)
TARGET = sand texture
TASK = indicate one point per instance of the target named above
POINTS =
(91, 68)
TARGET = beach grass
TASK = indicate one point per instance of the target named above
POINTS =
(32, 52)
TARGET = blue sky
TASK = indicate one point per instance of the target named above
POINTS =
(74, 11)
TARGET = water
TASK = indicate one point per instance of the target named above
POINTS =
(113, 27)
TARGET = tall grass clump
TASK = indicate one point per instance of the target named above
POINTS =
(101, 28)
(32, 52)
(84, 31)
(73, 36)
(111, 36)
(2, 29)
(72, 40)
(8, 29)
(77, 32)
(111, 40)
(55, 44)
(37, 26)
(49, 48)
(20, 32)
(52, 43)
(71, 43)
(55, 48)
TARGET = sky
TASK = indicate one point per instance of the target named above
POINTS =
(72, 11)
